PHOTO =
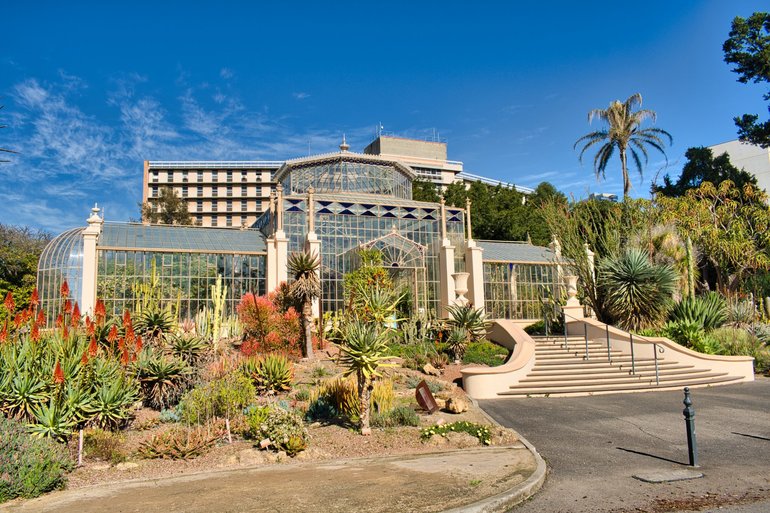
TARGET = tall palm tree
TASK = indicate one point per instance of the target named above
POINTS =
(624, 133)
(305, 289)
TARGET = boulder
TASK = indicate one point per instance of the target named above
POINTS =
(430, 370)
(456, 405)
(251, 457)
(126, 465)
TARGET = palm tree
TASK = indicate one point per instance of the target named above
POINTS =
(305, 289)
(624, 133)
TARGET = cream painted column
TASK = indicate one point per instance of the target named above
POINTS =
(271, 271)
(474, 265)
(313, 245)
(90, 237)
(281, 241)
(446, 266)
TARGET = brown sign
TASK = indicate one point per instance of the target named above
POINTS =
(425, 397)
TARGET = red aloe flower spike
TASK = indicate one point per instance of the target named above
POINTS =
(67, 306)
(9, 304)
(34, 298)
(93, 347)
(90, 327)
(100, 311)
(121, 344)
(139, 344)
(75, 315)
(130, 334)
(35, 333)
(112, 336)
(40, 318)
(59, 320)
(84, 358)
(65, 332)
(65, 289)
(4, 332)
(18, 321)
(124, 357)
(126, 318)
(58, 374)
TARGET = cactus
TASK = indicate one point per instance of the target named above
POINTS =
(766, 304)
(218, 297)
(690, 268)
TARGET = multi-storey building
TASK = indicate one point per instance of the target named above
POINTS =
(236, 193)
(752, 159)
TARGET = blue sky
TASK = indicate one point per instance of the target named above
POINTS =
(91, 89)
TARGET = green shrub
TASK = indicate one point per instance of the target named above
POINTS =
(433, 386)
(320, 410)
(739, 342)
(169, 416)
(104, 445)
(177, 444)
(398, 416)
(470, 319)
(342, 395)
(708, 312)
(255, 417)
(485, 352)
(303, 394)
(222, 398)
(285, 430)
(29, 466)
(477, 430)
(187, 347)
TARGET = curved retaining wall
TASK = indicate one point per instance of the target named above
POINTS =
(486, 382)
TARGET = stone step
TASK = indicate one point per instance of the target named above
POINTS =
(570, 372)
(614, 377)
(609, 389)
(588, 385)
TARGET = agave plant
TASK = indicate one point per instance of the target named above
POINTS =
(457, 343)
(153, 323)
(162, 378)
(637, 292)
(741, 313)
(25, 393)
(112, 402)
(470, 319)
(709, 311)
(274, 374)
(52, 420)
(187, 347)
(363, 352)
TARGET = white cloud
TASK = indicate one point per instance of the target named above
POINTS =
(226, 73)
(301, 95)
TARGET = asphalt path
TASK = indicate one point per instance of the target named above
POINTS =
(595, 445)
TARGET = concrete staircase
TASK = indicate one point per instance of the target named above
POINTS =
(560, 371)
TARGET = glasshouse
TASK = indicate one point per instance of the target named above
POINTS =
(333, 205)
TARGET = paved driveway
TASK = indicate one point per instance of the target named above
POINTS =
(594, 445)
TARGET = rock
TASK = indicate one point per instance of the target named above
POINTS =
(251, 457)
(231, 460)
(441, 403)
(100, 466)
(462, 440)
(126, 465)
(275, 457)
(456, 405)
(430, 370)
(438, 441)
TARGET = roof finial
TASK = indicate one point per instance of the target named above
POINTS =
(344, 146)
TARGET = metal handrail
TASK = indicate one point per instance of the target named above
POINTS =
(657, 348)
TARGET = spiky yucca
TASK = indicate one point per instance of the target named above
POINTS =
(306, 287)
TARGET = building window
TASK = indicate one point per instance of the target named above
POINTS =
(155, 176)
(184, 176)
(200, 191)
(243, 176)
(229, 190)
(213, 220)
(200, 176)
(199, 220)
(244, 190)
(229, 220)
(199, 205)
(154, 191)
(214, 191)
(213, 176)
(184, 191)
(170, 176)
(244, 205)
(213, 206)
(243, 220)
(229, 176)
(229, 205)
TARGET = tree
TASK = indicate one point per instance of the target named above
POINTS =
(4, 150)
(167, 209)
(305, 289)
(748, 47)
(730, 226)
(624, 134)
(20, 249)
(702, 166)
(423, 190)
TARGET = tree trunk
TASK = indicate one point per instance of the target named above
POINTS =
(307, 325)
(364, 395)
(626, 179)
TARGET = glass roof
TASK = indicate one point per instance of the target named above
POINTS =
(181, 238)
